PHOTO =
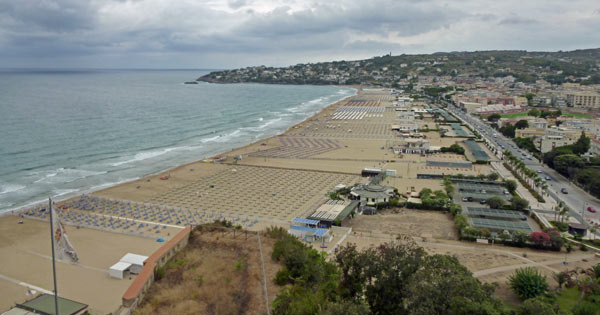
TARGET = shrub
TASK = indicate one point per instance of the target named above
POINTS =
(528, 283)
(159, 273)
(561, 226)
(495, 202)
(540, 239)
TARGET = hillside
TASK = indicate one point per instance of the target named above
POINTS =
(556, 67)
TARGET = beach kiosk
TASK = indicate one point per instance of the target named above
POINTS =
(118, 270)
(136, 261)
(306, 230)
(131, 263)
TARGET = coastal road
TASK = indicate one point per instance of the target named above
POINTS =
(576, 199)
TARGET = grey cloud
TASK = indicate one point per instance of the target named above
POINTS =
(380, 17)
(236, 32)
(517, 21)
(50, 15)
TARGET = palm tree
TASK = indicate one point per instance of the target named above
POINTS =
(556, 209)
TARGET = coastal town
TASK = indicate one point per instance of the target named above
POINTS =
(495, 170)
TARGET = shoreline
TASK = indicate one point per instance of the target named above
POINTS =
(66, 197)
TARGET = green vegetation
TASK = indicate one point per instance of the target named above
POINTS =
(528, 283)
(526, 144)
(455, 148)
(432, 200)
(508, 130)
(519, 203)
(578, 115)
(522, 124)
(360, 282)
(494, 117)
(520, 172)
(495, 202)
(567, 160)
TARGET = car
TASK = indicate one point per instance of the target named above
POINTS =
(591, 209)
(506, 192)
(539, 171)
(523, 218)
(547, 178)
(529, 158)
(465, 199)
(470, 199)
(483, 202)
(564, 191)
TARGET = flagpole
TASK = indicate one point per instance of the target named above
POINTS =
(53, 259)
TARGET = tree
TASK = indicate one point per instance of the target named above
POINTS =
(494, 117)
(382, 290)
(443, 286)
(556, 240)
(537, 306)
(533, 112)
(508, 130)
(528, 283)
(519, 203)
(495, 202)
(568, 164)
(540, 239)
(561, 278)
(511, 185)
(493, 176)
(582, 145)
(521, 124)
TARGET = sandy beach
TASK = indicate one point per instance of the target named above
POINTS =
(268, 182)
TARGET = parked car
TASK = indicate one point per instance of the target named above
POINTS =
(539, 171)
(547, 178)
(591, 209)
(564, 191)
(523, 218)
(465, 199)
(483, 202)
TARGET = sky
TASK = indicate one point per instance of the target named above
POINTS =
(213, 34)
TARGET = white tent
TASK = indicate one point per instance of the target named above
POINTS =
(118, 270)
(136, 261)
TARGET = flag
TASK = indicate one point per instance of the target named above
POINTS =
(62, 247)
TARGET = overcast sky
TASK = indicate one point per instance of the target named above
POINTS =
(239, 33)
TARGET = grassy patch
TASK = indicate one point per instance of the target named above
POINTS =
(567, 299)
(578, 115)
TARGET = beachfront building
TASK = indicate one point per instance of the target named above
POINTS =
(131, 263)
(413, 146)
(369, 194)
(333, 212)
(306, 230)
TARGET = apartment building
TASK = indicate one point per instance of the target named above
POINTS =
(584, 99)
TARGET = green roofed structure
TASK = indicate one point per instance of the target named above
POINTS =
(494, 213)
(333, 211)
(44, 304)
(478, 153)
(500, 225)
(459, 131)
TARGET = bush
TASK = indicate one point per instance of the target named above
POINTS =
(561, 226)
(495, 202)
(159, 273)
(528, 283)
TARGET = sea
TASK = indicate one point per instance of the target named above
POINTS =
(67, 132)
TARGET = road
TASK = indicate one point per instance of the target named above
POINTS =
(576, 199)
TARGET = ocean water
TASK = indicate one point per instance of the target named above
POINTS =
(67, 132)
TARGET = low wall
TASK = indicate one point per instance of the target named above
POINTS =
(135, 293)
